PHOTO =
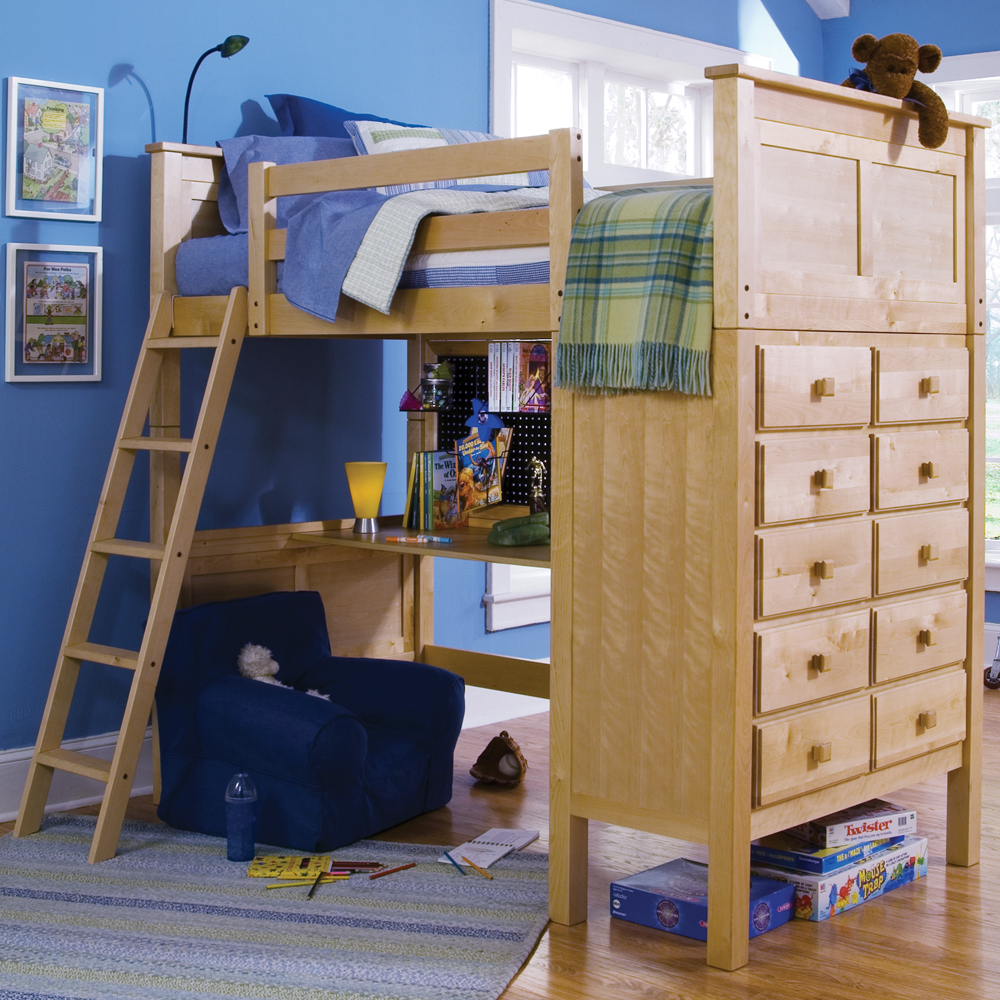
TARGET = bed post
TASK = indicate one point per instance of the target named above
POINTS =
(263, 277)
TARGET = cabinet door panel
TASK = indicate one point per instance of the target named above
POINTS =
(813, 567)
(816, 660)
(812, 749)
(805, 477)
(919, 635)
(921, 467)
(919, 717)
(921, 385)
(814, 386)
(921, 550)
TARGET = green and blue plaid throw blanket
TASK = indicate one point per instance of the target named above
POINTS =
(637, 310)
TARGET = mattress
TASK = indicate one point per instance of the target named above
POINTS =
(216, 264)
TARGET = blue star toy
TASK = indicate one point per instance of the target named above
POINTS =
(483, 420)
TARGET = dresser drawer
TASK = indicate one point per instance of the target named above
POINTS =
(918, 717)
(813, 567)
(920, 550)
(807, 662)
(814, 386)
(921, 385)
(808, 477)
(919, 635)
(921, 467)
(812, 749)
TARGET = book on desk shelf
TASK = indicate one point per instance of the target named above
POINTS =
(432, 500)
(518, 377)
(491, 846)
(479, 468)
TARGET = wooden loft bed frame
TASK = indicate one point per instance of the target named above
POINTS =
(845, 254)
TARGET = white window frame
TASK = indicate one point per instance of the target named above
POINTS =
(516, 595)
(524, 28)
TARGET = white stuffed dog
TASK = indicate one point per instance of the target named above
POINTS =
(257, 663)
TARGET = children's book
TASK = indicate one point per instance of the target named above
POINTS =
(491, 846)
(479, 470)
(534, 394)
(444, 492)
(288, 865)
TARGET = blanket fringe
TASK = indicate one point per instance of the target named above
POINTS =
(616, 368)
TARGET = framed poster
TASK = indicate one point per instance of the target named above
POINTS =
(53, 313)
(54, 150)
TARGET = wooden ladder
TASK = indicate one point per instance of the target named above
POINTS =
(168, 563)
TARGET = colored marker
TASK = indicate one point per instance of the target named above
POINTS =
(389, 871)
(400, 538)
(478, 869)
(454, 862)
(434, 538)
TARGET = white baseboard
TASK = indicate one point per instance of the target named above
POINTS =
(68, 790)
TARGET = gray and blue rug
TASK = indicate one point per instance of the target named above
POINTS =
(169, 917)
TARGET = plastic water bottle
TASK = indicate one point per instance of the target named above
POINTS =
(241, 817)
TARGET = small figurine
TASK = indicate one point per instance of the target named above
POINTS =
(537, 502)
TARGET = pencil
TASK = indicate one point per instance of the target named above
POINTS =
(478, 869)
(454, 862)
(389, 871)
(315, 885)
(326, 878)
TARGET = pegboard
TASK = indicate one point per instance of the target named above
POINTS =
(532, 431)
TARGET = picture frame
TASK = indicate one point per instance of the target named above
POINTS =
(53, 315)
(55, 139)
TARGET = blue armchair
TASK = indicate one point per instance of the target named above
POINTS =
(327, 772)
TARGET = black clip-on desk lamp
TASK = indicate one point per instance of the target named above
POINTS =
(228, 48)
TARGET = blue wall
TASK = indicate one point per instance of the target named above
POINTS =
(299, 410)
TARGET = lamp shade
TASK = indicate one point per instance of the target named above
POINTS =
(365, 480)
(232, 45)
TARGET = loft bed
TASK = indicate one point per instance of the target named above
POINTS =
(700, 590)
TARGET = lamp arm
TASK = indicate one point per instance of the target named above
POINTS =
(187, 96)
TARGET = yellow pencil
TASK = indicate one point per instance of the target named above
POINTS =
(325, 879)
(478, 869)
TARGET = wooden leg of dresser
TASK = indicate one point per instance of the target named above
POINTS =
(965, 802)
(728, 904)
(567, 867)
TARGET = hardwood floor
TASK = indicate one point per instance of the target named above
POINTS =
(939, 936)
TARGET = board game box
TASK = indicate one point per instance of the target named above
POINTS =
(789, 851)
(871, 820)
(673, 897)
(819, 897)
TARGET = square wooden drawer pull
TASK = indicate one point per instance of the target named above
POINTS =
(822, 663)
(928, 719)
(824, 386)
(824, 479)
(822, 752)
(928, 553)
(930, 384)
(824, 569)
(929, 471)
(926, 637)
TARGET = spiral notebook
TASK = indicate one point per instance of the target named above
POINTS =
(491, 846)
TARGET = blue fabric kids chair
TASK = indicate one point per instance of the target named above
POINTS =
(327, 772)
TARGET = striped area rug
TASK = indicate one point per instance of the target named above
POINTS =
(169, 917)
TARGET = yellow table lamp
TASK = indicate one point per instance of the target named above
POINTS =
(365, 480)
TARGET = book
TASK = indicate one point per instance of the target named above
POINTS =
(491, 846)
(410, 494)
(479, 470)
(534, 393)
(799, 855)
(444, 492)
(868, 821)
(288, 865)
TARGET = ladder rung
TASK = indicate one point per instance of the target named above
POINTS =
(78, 763)
(126, 547)
(95, 653)
(155, 444)
(168, 343)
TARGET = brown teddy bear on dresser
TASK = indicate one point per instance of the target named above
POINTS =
(892, 62)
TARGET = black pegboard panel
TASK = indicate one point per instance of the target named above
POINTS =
(532, 431)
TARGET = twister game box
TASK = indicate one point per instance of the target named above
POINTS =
(818, 897)
(673, 897)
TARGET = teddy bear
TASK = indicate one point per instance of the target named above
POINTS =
(257, 663)
(891, 64)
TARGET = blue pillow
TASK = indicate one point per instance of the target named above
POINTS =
(240, 152)
(302, 116)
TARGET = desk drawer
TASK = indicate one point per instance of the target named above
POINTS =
(808, 477)
(919, 635)
(812, 749)
(813, 567)
(919, 717)
(921, 467)
(814, 386)
(920, 550)
(921, 385)
(807, 662)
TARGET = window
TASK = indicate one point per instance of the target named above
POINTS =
(639, 95)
